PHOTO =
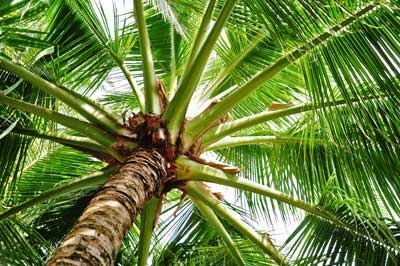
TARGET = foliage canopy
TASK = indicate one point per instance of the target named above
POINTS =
(301, 96)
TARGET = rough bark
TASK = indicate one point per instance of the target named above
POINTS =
(97, 236)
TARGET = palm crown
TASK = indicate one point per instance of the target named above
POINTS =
(294, 103)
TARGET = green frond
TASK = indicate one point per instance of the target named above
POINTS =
(15, 150)
(81, 126)
(47, 170)
(88, 48)
(82, 105)
(199, 191)
(192, 240)
(120, 100)
(87, 181)
(170, 14)
(217, 225)
(201, 123)
(208, 254)
(375, 242)
(21, 12)
(255, 161)
(61, 138)
(12, 155)
(21, 243)
(6, 131)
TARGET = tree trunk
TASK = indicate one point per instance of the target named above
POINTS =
(97, 236)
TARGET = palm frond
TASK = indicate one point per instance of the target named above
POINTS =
(197, 126)
(217, 225)
(93, 179)
(20, 243)
(376, 241)
(21, 12)
(38, 175)
(96, 49)
(14, 149)
(190, 239)
(169, 14)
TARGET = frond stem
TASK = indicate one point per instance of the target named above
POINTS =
(176, 110)
(173, 78)
(148, 216)
(191, 170)
(152, 103)
(228, 142)
(81, 126)
(236, 125)
(65, 139)
(201, 34)
(85, 108)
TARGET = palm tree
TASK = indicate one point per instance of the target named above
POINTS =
(177, 132)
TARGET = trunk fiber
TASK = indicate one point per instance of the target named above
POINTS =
(97, 236)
